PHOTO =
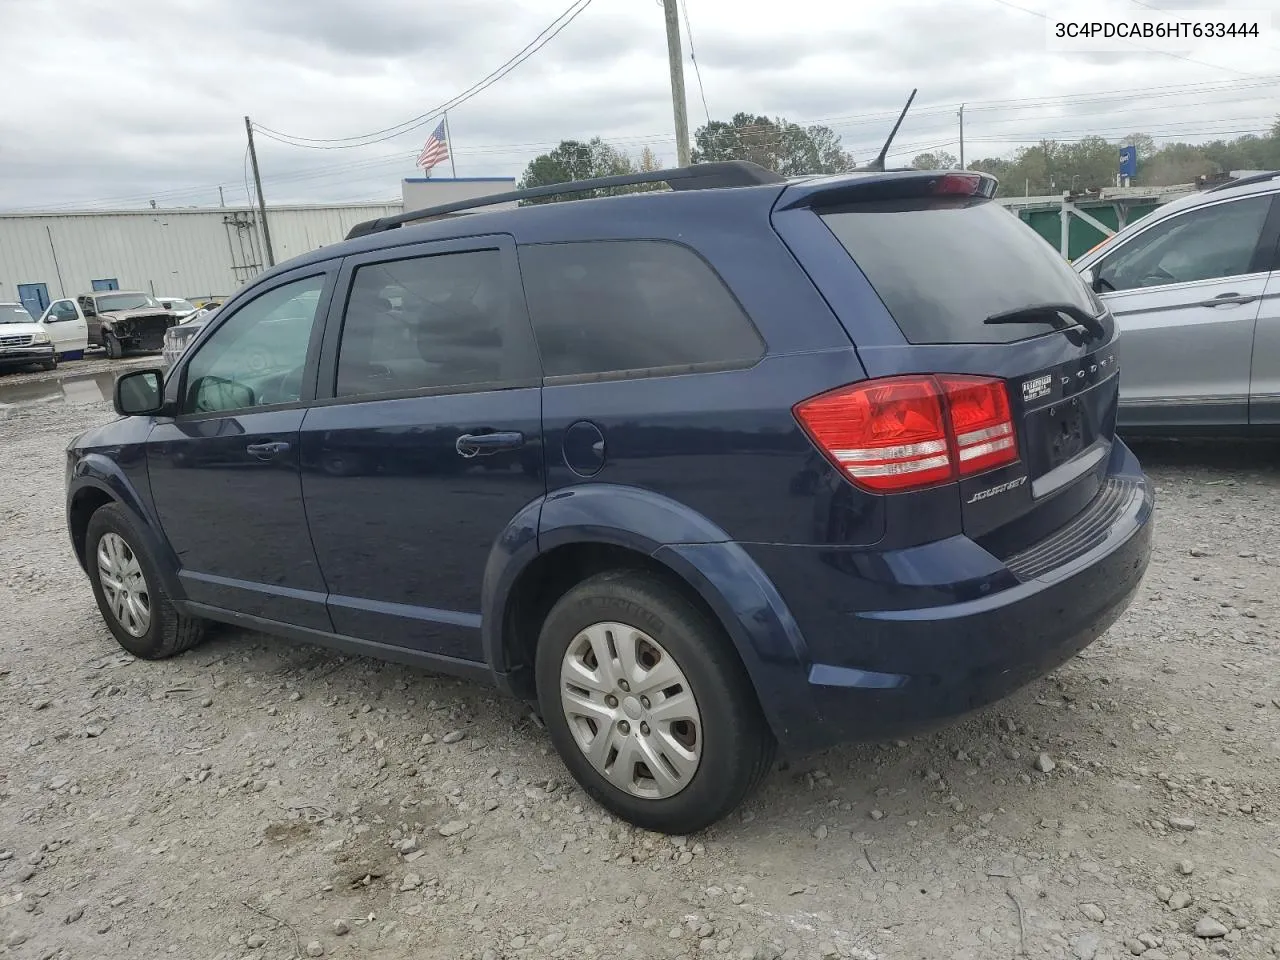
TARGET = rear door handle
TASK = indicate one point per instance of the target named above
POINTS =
(1224, 299)
(483, 444)
(266, 451)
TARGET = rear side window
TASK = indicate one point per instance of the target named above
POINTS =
(447, 320)
(942, 267)
(617, 306)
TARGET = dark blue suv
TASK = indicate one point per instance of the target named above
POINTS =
(704, 471)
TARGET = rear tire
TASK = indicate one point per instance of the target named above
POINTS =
(663, 728)
(115, 349)
(130, 594)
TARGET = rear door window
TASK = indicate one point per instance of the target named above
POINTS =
(632, 307)
(449, 320)
(943, 266)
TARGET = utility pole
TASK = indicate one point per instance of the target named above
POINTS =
(962, 136)
(671, 11)
(222, 201)
(262, 204)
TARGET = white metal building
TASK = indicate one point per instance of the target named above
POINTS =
(190, 252)
(186, 252)
(419, 193)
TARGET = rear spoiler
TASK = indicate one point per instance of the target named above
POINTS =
(893, 185)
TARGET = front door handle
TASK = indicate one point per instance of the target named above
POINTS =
(266, 451)
(1225, 299)
(484, 444)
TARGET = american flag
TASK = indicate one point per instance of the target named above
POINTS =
(436, 149)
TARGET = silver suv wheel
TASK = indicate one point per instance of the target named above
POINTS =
(123, 584)
(631, 710)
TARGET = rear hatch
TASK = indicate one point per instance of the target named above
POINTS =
(971, 290)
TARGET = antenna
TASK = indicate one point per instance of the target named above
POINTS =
(877, 164)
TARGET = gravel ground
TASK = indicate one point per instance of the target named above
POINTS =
(258, 799)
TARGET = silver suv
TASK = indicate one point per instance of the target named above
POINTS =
(178, 337)
(1195, 288)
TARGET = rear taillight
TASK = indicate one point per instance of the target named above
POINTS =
(904, 433)
(980, 422)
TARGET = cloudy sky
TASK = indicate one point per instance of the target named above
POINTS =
(111, 105)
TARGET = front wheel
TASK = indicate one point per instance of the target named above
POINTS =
(126, 584)
(115, 349)
(648, 703)
(51, 363)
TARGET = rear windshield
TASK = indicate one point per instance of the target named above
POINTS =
(943, 266)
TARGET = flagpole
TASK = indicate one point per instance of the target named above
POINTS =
(448, 136)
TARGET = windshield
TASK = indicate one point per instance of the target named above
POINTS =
(182, 306)
(126, 301)
(14, 313)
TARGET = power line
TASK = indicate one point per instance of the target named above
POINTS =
(549, 33)
(1027, 105)
(693, 57)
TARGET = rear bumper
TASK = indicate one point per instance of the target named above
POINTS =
(955, 629)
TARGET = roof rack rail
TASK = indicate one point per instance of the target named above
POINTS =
(701, 176)
(1245, 181)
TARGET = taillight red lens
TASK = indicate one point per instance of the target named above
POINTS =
(885, 434)
(904, 433)
(980, 423)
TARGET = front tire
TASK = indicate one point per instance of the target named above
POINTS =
(50, 364)
(115, 349)
(648, 703)
(126, 583)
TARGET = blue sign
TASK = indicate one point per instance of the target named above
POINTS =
(1128, 161)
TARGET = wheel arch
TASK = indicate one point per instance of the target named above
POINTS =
(588, 531)
(97, 481)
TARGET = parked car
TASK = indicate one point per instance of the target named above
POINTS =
(24, 341)
(178, 337)
(746, 464)
(67, 328)
(1195, 288)
(122, 320)
(183, 308)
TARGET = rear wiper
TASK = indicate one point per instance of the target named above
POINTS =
(1051, 313)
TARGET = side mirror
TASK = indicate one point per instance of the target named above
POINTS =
(139, 393)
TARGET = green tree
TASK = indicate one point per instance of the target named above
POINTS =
(940, 160)
(1088, 164)
(575, 160)
(1145, 143)
(779, 145)
(648, 162)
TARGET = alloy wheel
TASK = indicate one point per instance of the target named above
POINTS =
(123, 584)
